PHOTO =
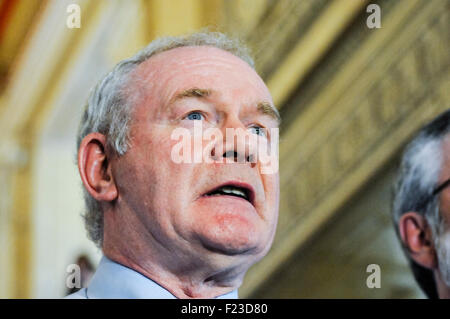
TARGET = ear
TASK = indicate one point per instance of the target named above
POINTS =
(417, 237)
(95, 168)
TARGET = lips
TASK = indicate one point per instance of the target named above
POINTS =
(236, 189)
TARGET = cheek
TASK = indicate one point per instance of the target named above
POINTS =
(444, 206)
(148, 170)
(272, 191)
(152, 153)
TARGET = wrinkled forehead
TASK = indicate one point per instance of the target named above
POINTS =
(193, 57)
(199, 66)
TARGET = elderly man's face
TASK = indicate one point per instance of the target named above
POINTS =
(443, 249)
(174, 202)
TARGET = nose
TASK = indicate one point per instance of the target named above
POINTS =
(237, 145)
(238, 157)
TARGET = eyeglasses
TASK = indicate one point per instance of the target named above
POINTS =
(423, 203)
(441, 187)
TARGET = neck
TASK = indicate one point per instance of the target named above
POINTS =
(187, 270)
(189, 281)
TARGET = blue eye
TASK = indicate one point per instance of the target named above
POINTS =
(258, 130)
(195, 116)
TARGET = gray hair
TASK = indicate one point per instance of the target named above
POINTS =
(109, 107)
(418, 177)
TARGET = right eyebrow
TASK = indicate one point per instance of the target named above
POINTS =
(192, 92)
(270, 110)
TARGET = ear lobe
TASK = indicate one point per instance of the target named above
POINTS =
(417, 237)
(95, 169)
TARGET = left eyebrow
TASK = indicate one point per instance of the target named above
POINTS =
(192, 92)
(267, 108)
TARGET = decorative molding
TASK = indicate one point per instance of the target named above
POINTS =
(311, 47)
(368, 111)
(278, 31)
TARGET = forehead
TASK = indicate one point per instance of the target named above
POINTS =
(201, 66)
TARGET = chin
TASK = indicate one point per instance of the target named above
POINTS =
(229, 248)
(228, 231)
(231, 240)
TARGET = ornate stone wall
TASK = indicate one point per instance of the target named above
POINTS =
(365, 101)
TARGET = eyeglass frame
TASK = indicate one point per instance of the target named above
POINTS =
(436, 191)
(441, 187)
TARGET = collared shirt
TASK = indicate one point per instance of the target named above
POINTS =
(115, 281)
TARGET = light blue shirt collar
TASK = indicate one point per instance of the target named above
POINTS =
(113, 280)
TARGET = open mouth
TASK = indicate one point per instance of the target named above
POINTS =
(240, 191)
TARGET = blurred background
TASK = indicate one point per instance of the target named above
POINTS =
(350, 96)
